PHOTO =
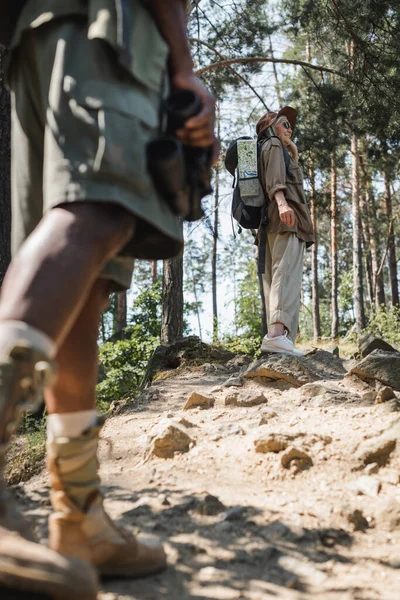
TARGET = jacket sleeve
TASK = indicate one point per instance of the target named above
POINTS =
(273, 169)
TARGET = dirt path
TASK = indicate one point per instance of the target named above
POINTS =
(320, 531)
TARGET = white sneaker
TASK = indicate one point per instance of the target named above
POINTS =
(280, 343)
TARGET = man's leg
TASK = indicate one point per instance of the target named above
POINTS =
(45, 288)
(79, 526)
(51, 276)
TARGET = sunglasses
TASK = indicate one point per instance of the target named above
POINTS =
(286, 125)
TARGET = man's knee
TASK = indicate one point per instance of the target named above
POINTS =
(105, 227)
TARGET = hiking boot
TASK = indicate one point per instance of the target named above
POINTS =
(80, 526)
(280, 343)
(27, 567)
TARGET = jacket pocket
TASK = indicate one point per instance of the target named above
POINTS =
(102, 130)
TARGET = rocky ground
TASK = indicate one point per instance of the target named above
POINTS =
(274, 480)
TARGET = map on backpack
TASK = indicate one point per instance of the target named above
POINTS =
(247, 167)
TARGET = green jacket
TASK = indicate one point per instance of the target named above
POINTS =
(124, 24)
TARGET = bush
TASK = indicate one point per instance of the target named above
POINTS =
(124, 362)
(243, 345)
(385, 323)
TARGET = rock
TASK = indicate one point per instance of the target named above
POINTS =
(357, 519)
(328, 392)
(186, 423)
(384, 394)
(210, 368)
(277, 442)
(381, 366)
(367, 343)
(366, 486)
(199, 400)
(297, 370)
(371, 469)
(250, 398)
(233, 382)
(267, 416)
(274, 442)
(369, 396)
(238, 361)
(388, 517)
(334, 350)
(295, 455)
(170, 440)
(209, 505)
(377, 451)
(236, 513)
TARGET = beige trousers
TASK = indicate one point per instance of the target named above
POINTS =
(282, 280)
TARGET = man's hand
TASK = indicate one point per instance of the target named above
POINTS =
(199, 130)
(286, 214)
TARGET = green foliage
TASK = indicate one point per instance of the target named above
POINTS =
(385, 323)
(124, 362)
(248, 316)
(243, 345)
(26, 455)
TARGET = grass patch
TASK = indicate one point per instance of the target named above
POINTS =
(27, 453)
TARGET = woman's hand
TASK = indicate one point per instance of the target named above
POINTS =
(286, 214)
(292, 149)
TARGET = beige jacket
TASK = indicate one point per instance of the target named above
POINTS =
(274, 178)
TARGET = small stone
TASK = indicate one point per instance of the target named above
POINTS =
(245, 399)
(371, 469)
(377, 450)
(209, 505)
(384, 394)
(267, 416)
(172, 439)
(391, 476)
(273, 442)
(369, 396)
(164, 500)
(236, 513)
(197, 400)
(233, 382)
(356, 518)
(366, 486)
(186, 423)
(388, 517)
(216, 390)
(303, 460)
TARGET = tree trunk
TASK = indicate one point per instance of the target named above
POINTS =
(5, 192)
(374, 235)
(264, 321)
(357, 255)
(314, 258)
(172, 301)
(215, 243)
(334, 251)
(394, 284)
(120, 312)
(365, 229)
(154, 273)
(214, 259)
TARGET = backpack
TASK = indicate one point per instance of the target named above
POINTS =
(249, 200)
(9, 14)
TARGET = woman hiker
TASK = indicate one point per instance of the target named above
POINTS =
(289, 229)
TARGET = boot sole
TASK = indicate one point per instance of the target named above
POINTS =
(9, 594)
(30, 581)
(129, 573)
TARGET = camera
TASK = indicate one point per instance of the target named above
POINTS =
(180, 173)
